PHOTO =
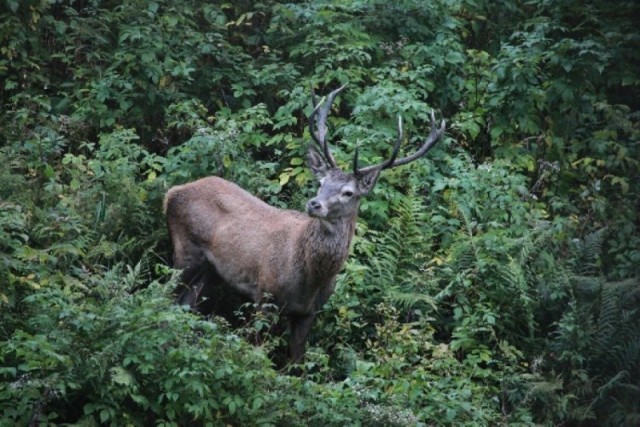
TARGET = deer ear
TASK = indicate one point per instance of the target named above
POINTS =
(367, 181)
(317, 164)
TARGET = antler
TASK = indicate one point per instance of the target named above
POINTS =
(434, 136)
(318, 122)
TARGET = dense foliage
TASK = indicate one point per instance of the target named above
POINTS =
(495, 282)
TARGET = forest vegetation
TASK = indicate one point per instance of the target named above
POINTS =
(494, 282)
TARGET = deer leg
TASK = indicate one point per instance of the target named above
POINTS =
(300, 326)
(324, 294)
(192, 284)
(188, 257)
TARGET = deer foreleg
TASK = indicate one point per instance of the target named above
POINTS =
(194, 279)
(300, 326)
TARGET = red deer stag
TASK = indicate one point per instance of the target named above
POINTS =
(256, 249)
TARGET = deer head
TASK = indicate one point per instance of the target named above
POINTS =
(340, 192)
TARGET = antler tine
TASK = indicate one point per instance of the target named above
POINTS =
(318, 122)
(434, 136)
(386, 163)
(314, 100)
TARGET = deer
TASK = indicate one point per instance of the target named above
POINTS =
(254, 249)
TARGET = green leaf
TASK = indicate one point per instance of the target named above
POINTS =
(104, 416)
(148, 57)
(257, 403)
(48, 171)
(13, 5)
(172, 20)
(121, 376)
(284, 178)
(10, 84)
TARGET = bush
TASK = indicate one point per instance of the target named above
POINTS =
(492, 283)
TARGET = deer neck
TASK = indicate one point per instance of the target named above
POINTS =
(327, 245)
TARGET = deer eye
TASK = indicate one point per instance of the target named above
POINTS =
(347, 193)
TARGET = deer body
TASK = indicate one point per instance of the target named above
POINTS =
(246, 245)
(254, 247)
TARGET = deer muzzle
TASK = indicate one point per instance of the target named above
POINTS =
(316, 209)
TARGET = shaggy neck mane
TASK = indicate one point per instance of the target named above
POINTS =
(326, 245)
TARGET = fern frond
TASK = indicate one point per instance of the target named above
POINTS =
(588, 253)
(540, 389)
(137, 275)
(408, 300)
(615, 328)
(587, 286)
(401, 244)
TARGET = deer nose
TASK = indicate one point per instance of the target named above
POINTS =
(314, 205)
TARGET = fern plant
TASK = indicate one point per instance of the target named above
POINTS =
(408, 239)
(590, 367)
(610, 360)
